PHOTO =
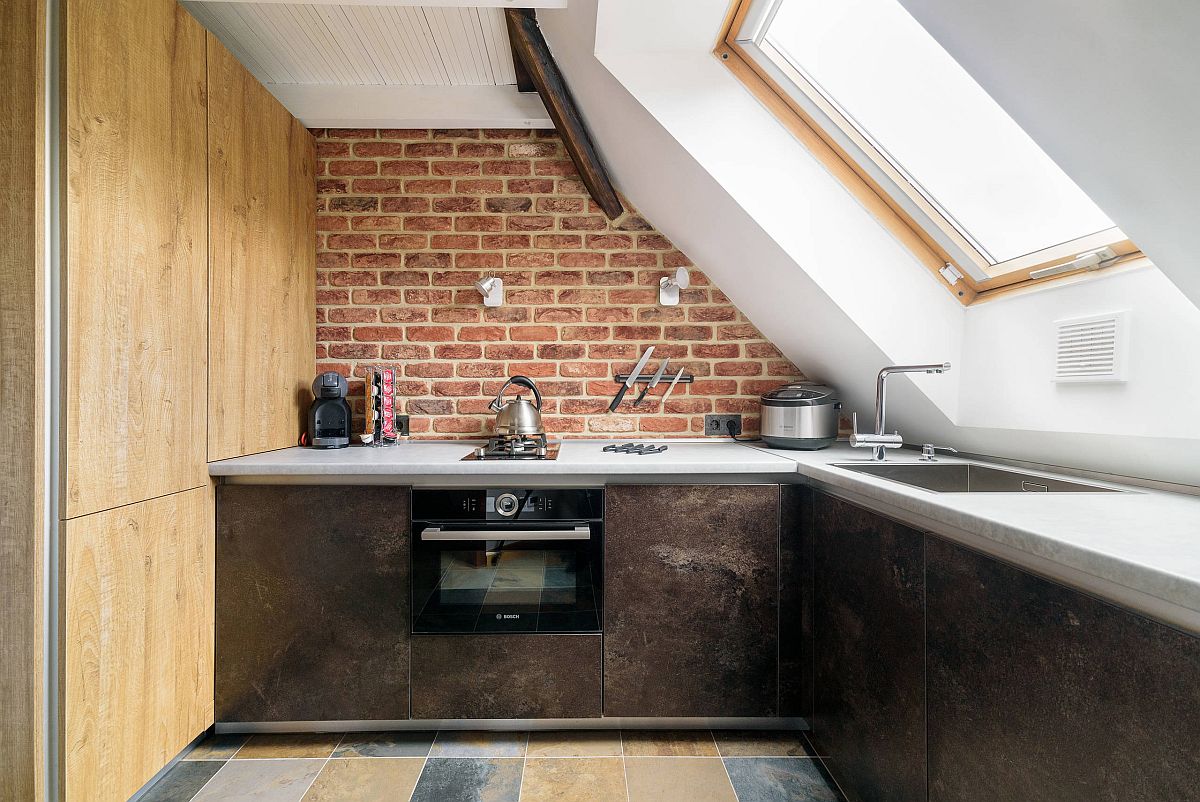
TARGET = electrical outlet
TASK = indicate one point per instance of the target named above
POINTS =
(718, 425)
(402, 425)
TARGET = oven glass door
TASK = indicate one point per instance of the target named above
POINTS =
(507, 578)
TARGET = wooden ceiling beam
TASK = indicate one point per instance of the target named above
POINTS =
(529, 47)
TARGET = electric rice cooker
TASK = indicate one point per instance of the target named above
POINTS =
(802, 415)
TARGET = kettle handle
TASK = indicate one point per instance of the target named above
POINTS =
(521, 381)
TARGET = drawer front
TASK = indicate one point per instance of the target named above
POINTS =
(506, 676)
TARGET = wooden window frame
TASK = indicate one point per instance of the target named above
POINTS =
(1006, 277)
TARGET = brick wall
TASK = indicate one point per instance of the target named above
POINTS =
(408, 220)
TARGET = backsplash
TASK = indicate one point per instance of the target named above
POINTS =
(408, 220)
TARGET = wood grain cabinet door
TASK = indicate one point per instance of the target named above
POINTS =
(869, 646)
(1041, 693)
(312, 603)
(691, 600)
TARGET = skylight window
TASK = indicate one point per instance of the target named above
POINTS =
(919, 131)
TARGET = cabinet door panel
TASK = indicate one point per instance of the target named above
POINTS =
(262, 283)
(1040, 692)
(869, 631)
(136, 260)
(795, 601)
(691, 600)
(137, 641)
(312, 603)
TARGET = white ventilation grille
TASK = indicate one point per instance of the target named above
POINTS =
(1091, 349)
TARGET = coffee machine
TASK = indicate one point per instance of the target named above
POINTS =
(329, 414)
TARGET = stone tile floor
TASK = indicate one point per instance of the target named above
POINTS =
(449, 766)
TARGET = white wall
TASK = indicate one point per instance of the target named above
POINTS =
(834, 290)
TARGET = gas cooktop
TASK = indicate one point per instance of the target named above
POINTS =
(516, 447)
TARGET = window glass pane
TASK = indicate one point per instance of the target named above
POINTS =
(897, 85)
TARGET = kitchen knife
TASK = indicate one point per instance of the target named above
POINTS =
(632, 380)
(671, 387)
(658, 374)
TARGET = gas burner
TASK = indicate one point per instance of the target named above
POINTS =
(635, 448)
(535, 446)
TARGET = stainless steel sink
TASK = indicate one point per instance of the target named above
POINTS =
(968, 477)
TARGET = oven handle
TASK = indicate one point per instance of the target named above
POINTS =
(574, 533)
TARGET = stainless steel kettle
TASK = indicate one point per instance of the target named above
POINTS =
(518, 417)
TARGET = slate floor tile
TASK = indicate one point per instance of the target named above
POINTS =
(764, 779)
(575, 743)
(469, 743)
(384, 779)
(669, 743)
(573, 779)
(766, 743)
(217, 747)
(183, 781)
(283, 780)
(469, 780)
(672, 779)
(385, 744)
(297, 744)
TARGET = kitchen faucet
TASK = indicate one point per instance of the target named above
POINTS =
(880, 442)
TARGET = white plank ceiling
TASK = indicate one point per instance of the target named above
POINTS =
(363, 45)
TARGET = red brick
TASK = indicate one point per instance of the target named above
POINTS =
(479, 150)
(430, 406)
(558, 314)
(508, 204)
(427, 261)
(612, 351)
(660, 314)
(610, 314)
(405, 352)
(331, 261)
(425, 150)
(690, 333)
(456, 388)
(430, 370)
(428, 296)
(353, 168)
(662, 424)
(479, 186)
(529, 259)
(505, 241)
(455, 133)
(739, 405)
(430, 334)
(535, 333)
(632, 296)
(354, 351)
(586, 333)
(609, 242)
(535, 150)
(507, 167)
(373, 149)
(353, 203)
(353, 278)
(623, 423)
(585, 259)
(350, 133)
(481, 334)
(673, 259)
(376, 223)
(382, 186)
(531, 186)
(478, 223)
(402, 242)
(782, 367)
(405, 314)
(403, 278)
(457, 351)
(456, 278)
(505, 133)
(559, 277)
(350, 241)
(653, 242)
(713, 387)
(561, 167)
(583, 370)
(581, 296)
(688, 406)
(637, 332)
(331, 223)
(508, 351)
(428, 186)
(742, 331)
(353, 314)
(379, 333)
(329, 186)
(428, 223)
(375, 261)
(526, 297)
(482, 261)
(455, 168)
(738, 368)
(586, 223)
(506, 314)
(456, 242)
(762, 350)
(457, 425)
(333, 297)
(329, 150)
(403, 133)
(626, 259)
(405, 204)
(458, 203)
(538, 370)
(609, 278)
(712, 314)
(481, 370)
(529, 223)
(716, 350)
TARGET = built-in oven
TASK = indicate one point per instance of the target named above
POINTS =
(507, 560)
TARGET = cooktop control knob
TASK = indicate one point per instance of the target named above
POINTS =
(507, 504)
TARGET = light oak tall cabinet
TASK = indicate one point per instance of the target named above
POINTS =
(187, 272)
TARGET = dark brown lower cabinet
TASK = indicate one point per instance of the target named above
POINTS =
(312, 601)
(869, 642)
(506, 676)
(1040, 692)
(795, 601)
(691, 600)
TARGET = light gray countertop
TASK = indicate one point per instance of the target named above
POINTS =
(1140, 548)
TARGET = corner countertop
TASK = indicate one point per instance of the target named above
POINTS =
(1140, 548)
(444, 458)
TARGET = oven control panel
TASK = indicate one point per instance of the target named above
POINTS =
(508, 504)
